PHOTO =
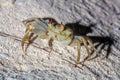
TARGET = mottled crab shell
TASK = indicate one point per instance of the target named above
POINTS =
(63, 35)
(38, 26)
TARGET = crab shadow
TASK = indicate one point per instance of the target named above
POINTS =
(78, 29)
(102, 42)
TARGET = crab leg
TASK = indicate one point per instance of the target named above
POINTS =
(79, 52)
(87, 49)
(90, 42)
(50, 44)
(25, 38)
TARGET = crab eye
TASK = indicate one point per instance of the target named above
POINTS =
(62, 26)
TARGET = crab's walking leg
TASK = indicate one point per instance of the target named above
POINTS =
(87, 49)
(79, 52)
(31, 39)
(50, 45)
(90, 42)
(25, 38)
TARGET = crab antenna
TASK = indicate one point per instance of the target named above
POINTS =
(61, 26)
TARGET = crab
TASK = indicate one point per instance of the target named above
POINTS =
(49, 28)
